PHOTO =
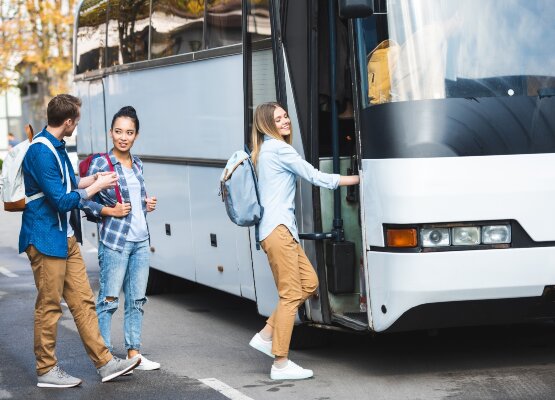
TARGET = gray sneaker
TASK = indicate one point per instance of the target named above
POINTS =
(57, 378)
(116, 367)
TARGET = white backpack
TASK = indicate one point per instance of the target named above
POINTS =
(12, 185)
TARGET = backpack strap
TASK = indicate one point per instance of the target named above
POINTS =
(65, 176)
(111, 166)
(257, 226)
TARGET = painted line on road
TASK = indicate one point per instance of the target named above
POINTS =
(7, 272)
(224, 389)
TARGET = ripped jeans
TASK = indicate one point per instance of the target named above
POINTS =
(127, 269)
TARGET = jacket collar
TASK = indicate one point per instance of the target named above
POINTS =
(116, 161)
(55, 142)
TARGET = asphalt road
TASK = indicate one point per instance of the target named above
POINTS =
(200, 337)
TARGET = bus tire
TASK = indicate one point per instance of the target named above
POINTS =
(306, 337)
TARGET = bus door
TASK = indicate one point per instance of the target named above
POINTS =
(344, 264)
(335, 248)
(91, 132)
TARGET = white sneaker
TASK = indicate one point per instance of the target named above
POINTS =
(147, 365)
(261, 345)
(290, 371)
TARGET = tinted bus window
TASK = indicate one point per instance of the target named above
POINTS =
(177, 27)
(91, 36)
(259, 20)
(128, 28)
(223, 23)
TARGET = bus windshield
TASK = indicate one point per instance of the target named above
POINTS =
(437, 49)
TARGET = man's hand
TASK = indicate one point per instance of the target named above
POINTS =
(106, 180)
(150, 204)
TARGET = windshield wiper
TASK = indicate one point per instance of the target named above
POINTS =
(546, 92)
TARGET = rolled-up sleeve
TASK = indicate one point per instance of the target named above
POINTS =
(292, 161)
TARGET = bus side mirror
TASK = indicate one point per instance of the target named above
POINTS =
(355, 8)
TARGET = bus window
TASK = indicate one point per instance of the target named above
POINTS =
(259, 20)
(223, 23)
(177, 27)
(91, 36)
(128, 26)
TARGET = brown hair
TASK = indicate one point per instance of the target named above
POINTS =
(264, 124)
(62, 107)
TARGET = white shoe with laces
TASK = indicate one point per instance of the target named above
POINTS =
(146, 364)
(264, 346)
(290, 371)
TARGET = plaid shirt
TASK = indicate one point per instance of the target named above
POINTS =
(113, 230)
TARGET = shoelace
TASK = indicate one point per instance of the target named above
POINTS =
(61, 373)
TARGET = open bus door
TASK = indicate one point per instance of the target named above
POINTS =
(324, 98)
(91, 132)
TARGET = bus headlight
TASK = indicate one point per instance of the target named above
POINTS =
(435, 237)
(466, 236)
(495, 234)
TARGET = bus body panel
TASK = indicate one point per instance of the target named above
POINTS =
(460, 189)
(202, 112)
(173, 253)
(456, 189)
(399, 282)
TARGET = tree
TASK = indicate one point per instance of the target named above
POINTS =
(39, 35)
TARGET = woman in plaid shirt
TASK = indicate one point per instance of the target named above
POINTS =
(124, 239)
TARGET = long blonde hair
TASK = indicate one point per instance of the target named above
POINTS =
(264, 124)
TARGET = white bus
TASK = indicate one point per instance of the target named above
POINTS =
(445, 109)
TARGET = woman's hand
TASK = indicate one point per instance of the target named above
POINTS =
(150, 204)
(120, 210)
(349, 180)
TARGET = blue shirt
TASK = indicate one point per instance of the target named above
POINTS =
(113, 230)
(42, 218)
(278, 167)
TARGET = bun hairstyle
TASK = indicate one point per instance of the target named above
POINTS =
(127, 112)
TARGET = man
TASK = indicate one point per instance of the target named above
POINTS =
(48, 237)
(12, 142)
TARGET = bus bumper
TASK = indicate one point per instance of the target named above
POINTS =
(432, 290)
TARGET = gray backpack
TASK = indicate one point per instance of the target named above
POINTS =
(239, 191)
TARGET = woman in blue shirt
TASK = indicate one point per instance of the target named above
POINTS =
(124, 251)
(278, 165)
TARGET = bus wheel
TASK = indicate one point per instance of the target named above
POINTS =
(306, 337)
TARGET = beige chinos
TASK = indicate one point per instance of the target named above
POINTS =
(295, 280)
(58, 278)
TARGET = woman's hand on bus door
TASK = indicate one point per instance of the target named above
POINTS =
(349, 180)
(150, 204)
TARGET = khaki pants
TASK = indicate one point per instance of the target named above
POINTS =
(56, 278)
(295, 280)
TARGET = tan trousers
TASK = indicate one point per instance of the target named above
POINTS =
(295, 280)
(56, 278)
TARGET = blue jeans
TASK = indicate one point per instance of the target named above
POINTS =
(127, 269)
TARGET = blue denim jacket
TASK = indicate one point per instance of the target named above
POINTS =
(278, 167)
(40, 223)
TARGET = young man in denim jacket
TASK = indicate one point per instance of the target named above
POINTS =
(48, 237)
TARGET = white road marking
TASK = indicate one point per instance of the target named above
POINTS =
(7, 272)
(224, 389)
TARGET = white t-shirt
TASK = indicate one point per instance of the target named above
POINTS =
(138, 230)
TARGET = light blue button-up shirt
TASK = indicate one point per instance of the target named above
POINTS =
(278, 167)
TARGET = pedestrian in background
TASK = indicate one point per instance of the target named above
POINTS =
(278, 166)
(48, 237)
(124, 251)
(12, 141)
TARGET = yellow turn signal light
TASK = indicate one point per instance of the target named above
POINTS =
(401, 237)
